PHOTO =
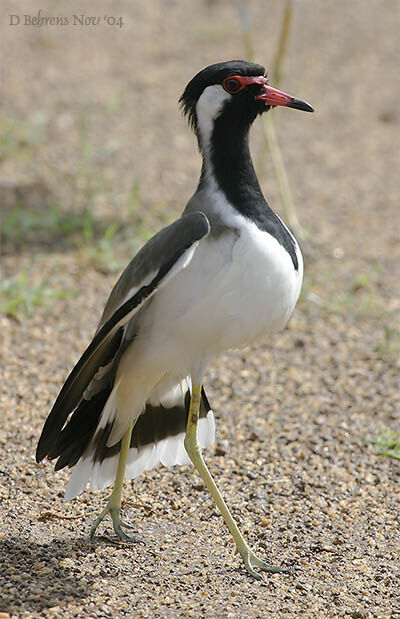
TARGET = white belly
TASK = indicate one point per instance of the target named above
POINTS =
(238, 287)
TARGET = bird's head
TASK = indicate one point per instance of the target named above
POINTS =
(237, 90)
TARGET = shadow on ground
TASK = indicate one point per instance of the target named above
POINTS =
(35, 577)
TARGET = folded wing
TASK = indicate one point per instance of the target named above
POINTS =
(87, 388)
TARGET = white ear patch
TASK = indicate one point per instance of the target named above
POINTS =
(208, 108)
(211, 102)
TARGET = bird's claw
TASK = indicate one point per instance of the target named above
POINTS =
(251, 561)
(117, 524)
(127, 525)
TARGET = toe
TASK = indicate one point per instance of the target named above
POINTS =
(273, 569)
(122, 535)
(117, 523)
(251, 562)
(127, 525)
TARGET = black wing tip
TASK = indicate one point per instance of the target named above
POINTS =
(49, 432)
(52, 427)
(41, 453)
(43, 448)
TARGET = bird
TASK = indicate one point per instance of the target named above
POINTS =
(223, 275)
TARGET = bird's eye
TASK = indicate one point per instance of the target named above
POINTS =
(232, 84)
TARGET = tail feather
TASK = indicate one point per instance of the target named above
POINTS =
(175, 452)
(158, 436)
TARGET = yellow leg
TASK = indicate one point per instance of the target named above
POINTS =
(113, 506)
(193, 449)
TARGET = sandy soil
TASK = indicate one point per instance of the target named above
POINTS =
(294, 414)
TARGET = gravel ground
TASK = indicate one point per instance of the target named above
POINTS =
(294, 414)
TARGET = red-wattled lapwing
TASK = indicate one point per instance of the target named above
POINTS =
(223, 275)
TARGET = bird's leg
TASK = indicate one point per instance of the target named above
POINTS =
(113, 506)
(193, 449)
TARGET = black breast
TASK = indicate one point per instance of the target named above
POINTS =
(235, 175)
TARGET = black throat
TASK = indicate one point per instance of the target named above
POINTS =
(232, 168)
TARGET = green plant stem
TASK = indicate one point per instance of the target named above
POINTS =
(281, 176)
(270, 135)
(282, 45)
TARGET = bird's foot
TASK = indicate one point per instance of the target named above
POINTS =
(114, 511)
(251, 561)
